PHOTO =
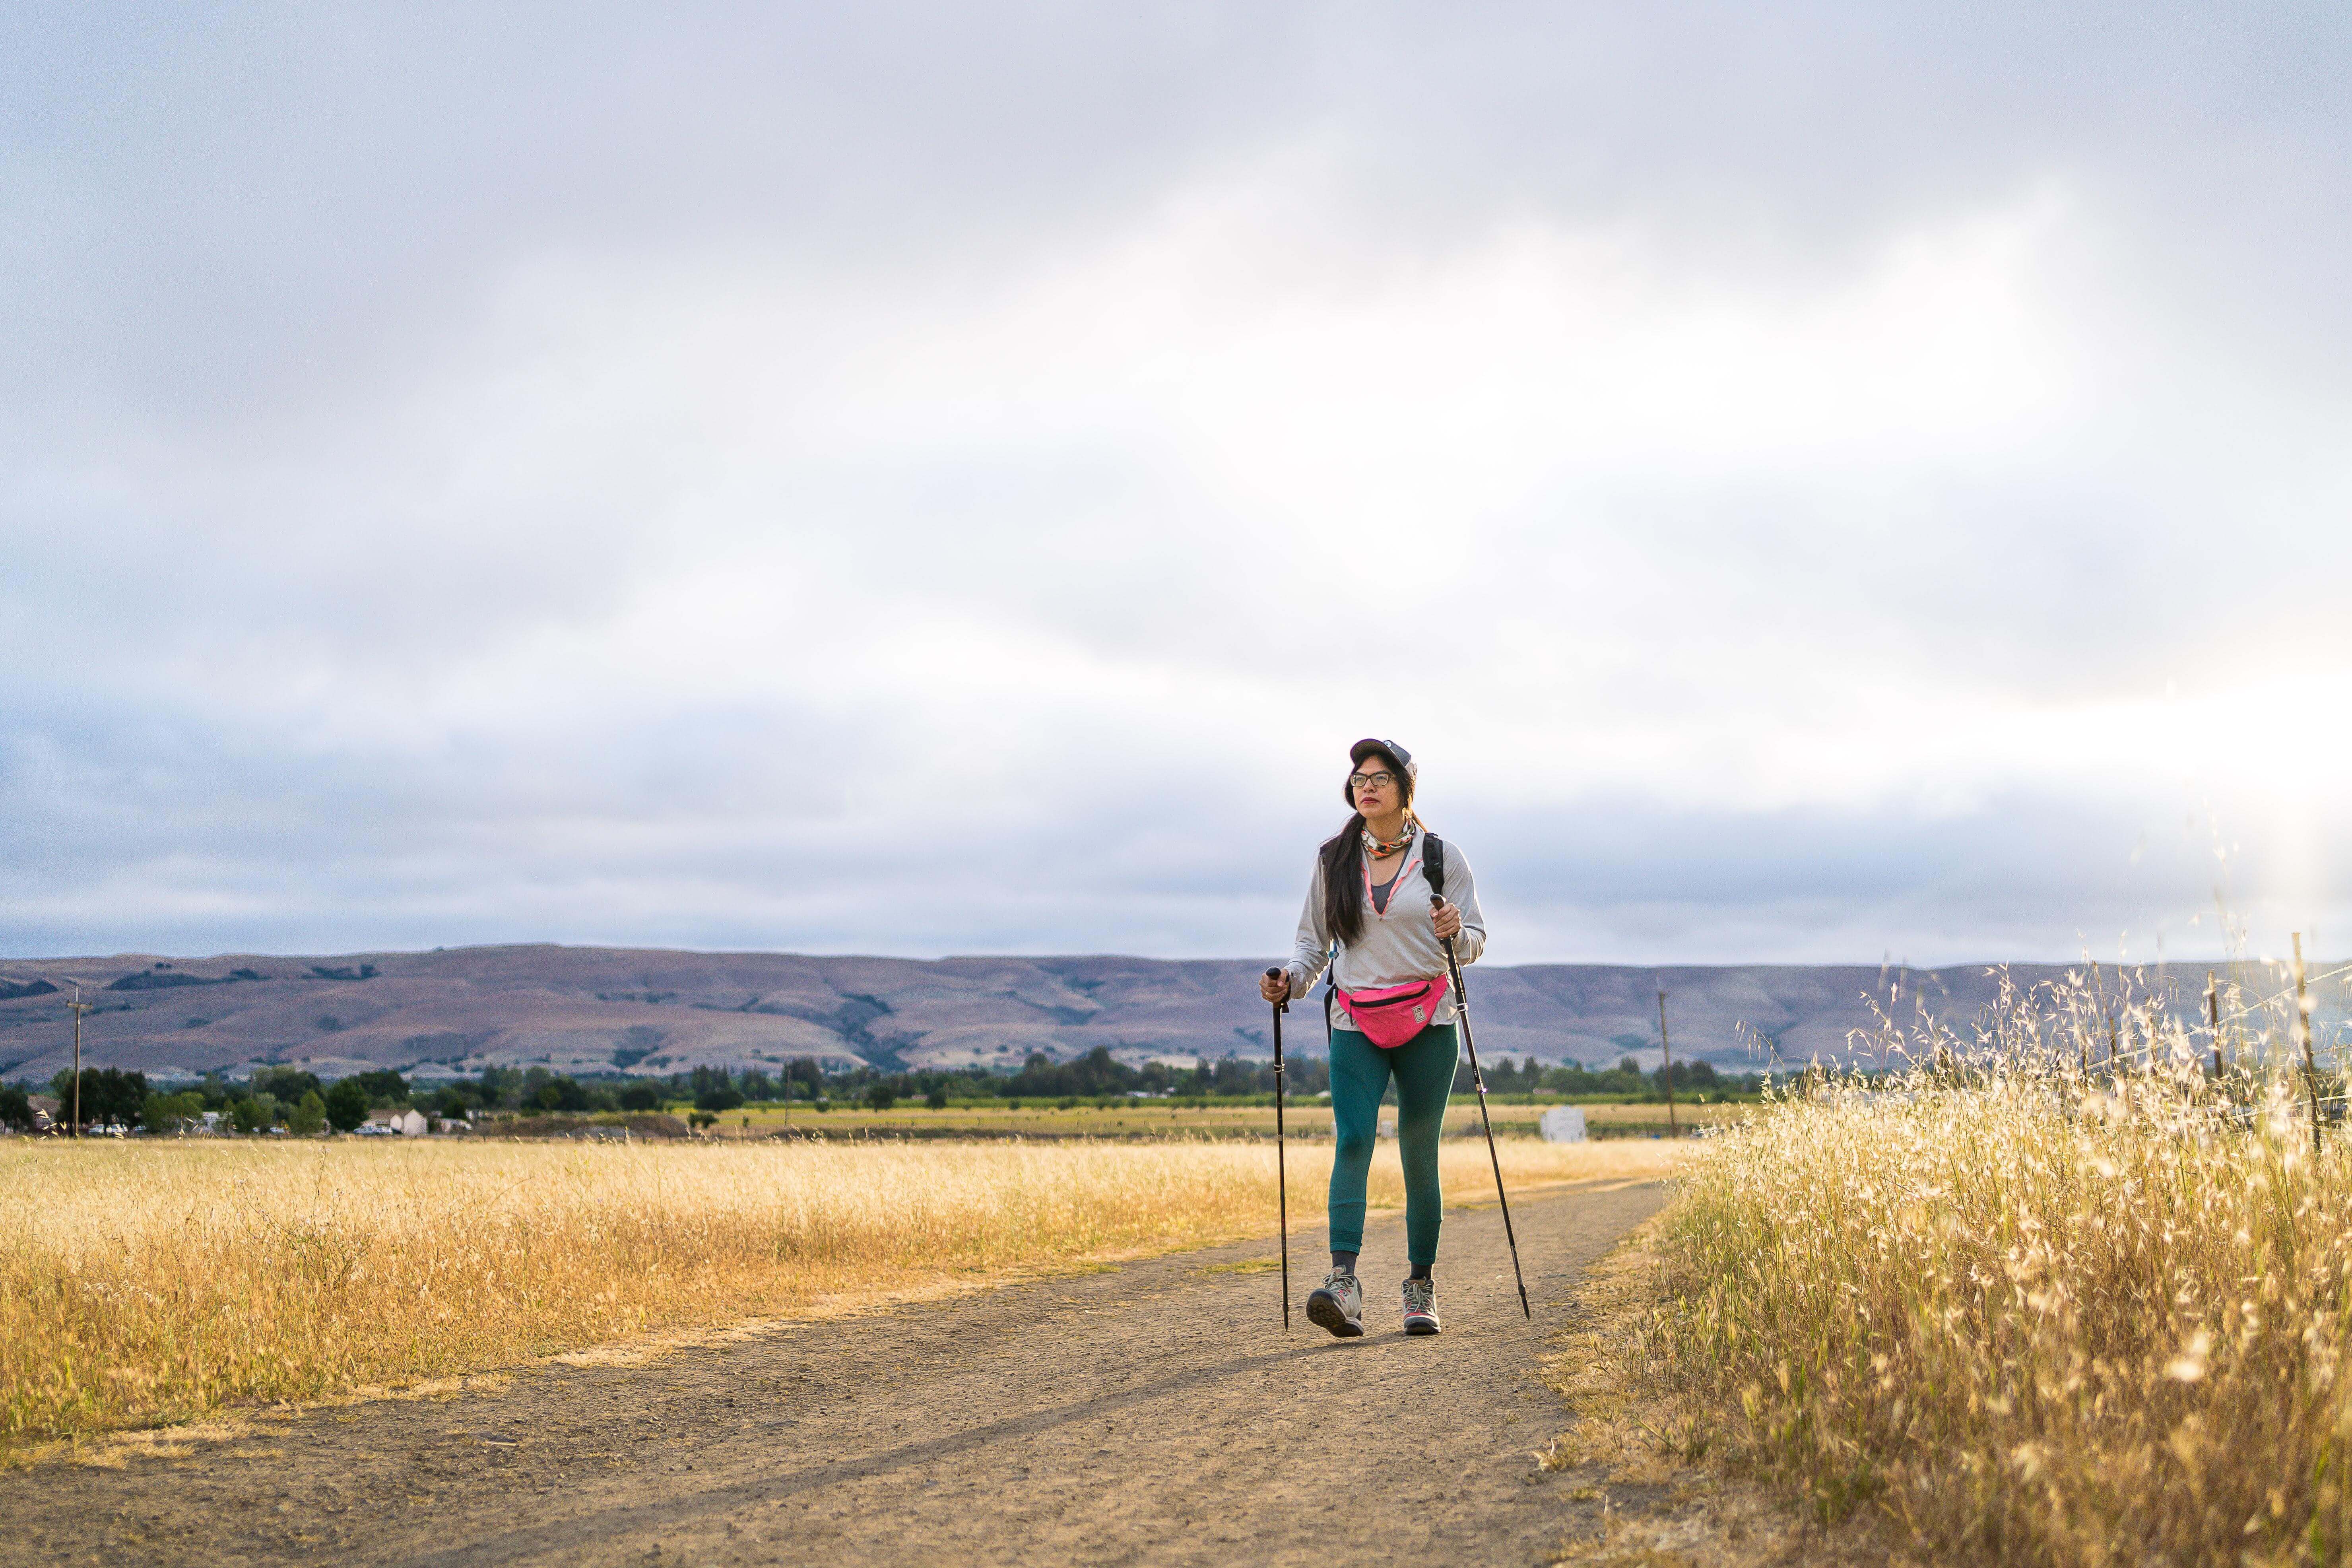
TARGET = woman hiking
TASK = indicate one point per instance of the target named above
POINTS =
(1371, 900)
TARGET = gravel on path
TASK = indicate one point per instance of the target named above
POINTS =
(1154, 1413)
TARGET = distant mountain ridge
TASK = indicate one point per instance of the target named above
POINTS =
(654, 1011)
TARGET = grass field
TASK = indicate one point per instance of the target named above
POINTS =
(2030, 1308)
(1309, 1119)
(145, 1282)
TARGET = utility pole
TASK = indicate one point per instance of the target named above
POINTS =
(78, 1008)
(1666, 1054)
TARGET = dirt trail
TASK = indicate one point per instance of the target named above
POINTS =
(1153, 1414)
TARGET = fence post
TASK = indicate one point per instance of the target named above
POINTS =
(2302, 1028)
(2213, 1022)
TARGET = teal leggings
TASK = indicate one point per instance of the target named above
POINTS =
(1423, 1066)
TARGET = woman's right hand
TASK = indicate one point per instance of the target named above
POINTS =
(1275, 986)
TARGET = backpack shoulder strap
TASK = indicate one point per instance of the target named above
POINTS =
(1432, 860)
(1330, 989)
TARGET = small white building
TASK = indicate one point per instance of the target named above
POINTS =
(403, 1123)
(1563, 1124)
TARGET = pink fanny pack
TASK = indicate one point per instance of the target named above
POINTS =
(1390, 1016)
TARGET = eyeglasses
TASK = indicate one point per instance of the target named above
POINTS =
(1371, 780)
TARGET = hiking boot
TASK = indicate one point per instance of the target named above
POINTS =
(1421, 1306)
(1337, 1304)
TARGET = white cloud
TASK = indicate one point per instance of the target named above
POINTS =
(1792, 575)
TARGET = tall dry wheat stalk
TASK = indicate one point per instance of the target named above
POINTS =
(2053, 1294)
(144, 1283)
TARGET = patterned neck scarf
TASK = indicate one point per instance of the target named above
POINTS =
(1375, 848)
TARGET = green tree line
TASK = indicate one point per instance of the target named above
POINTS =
(300, 1101)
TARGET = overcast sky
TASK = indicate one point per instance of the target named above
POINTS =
(1810, 482)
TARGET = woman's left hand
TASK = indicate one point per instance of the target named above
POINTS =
(1446, 919)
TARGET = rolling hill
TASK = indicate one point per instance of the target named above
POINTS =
(643, 1011)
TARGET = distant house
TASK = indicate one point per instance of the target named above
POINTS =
(403, 1123)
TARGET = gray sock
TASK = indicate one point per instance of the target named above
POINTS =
(1345, 1262)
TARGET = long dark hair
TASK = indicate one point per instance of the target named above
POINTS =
(1343, 858)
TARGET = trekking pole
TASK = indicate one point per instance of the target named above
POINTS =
(1281, 1177)
(1479, 1081)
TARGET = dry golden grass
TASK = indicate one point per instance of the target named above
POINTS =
(1643, 1484)
(148, 1283)
(2035, 1313)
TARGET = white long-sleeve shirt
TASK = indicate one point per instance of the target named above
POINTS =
(1398, 946)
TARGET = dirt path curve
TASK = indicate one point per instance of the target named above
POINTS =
(1153, 1414)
